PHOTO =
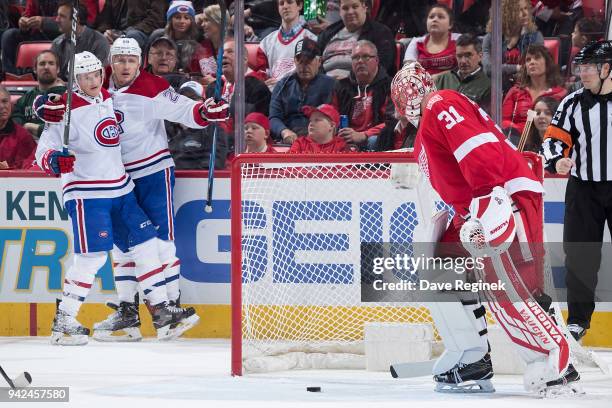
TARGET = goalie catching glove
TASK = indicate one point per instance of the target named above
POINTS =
(49, 108)
(490, 223)
(213, 111)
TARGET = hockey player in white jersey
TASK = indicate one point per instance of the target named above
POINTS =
(142, 102)
(98, 196)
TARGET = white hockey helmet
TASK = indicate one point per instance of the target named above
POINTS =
(408, 88)
(85, 62)
(125, 46)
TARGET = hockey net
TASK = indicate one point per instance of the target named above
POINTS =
(298, 224)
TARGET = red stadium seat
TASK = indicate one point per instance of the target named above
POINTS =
(553, 45)
(252, 53)
(27, 51)
(594, 8)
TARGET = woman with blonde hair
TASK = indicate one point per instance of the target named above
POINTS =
(183, 30)
(210, 21)
(518, 32)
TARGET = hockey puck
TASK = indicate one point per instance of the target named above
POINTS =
(313, 389)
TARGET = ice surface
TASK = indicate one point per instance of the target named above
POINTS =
(190, 373)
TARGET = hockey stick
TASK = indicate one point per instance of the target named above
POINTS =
(526, 130)
(410, 370)
(21, 381)
(213, 150)
(70, 76)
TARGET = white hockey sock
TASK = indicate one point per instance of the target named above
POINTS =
(78, 280)
(125, 275)
(172, 266)
(149, 271)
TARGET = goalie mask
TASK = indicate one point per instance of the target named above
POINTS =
(408, 88)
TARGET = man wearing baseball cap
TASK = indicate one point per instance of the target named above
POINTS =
(307, 86)
(322, 128)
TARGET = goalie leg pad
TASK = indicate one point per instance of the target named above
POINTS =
(463, 329)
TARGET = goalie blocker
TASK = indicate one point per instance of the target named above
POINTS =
(465, 156)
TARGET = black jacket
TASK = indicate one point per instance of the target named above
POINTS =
(372, 31)
(346, 91)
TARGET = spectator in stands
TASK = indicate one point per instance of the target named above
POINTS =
(36, 24)
(518, 32)
(211, 25)
(87, 39)
(306, 86)
(256, 93)
(135, 19)
(257, 133)
(539, 76)
(586, 31)
(544, 107)
(407, 19)
(339, 39)
(364, 97)
(469, 78)
(183, 30)
(16, 144)
(397, 134)
(47, 68)
(332, 15)
(435, 51)
(162, 61)
(276, 51)
(323, 123)
(190, 148)
(260, 16)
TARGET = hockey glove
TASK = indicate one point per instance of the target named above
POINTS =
(212, 111)
(49, 108)
(59, 162)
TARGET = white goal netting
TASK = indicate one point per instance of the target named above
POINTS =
(299, 229)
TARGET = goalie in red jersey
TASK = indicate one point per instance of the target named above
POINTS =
(498, 206)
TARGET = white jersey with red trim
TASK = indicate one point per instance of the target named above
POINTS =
(465, 154)
(141, 109)
(94, 140)
(276, 55)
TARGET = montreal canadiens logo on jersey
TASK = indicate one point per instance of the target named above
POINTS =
(106, 132)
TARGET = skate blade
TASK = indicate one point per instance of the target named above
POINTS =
(182, 327)
(474, 387)
(129, 334)
(59, 339)
(571, 390)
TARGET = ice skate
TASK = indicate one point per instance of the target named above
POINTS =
(67, 331)
(168, 319)
(467, 378)
(122, 325)
(566, 386)
(190, 319)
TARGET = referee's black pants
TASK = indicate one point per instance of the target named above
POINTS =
(588, 205)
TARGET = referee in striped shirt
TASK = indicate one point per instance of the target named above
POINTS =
(579, 141)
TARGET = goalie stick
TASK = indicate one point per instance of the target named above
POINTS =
(213, 150)
(70, 76)
(21, 381)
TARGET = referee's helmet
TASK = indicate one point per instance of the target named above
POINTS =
(596, 52)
